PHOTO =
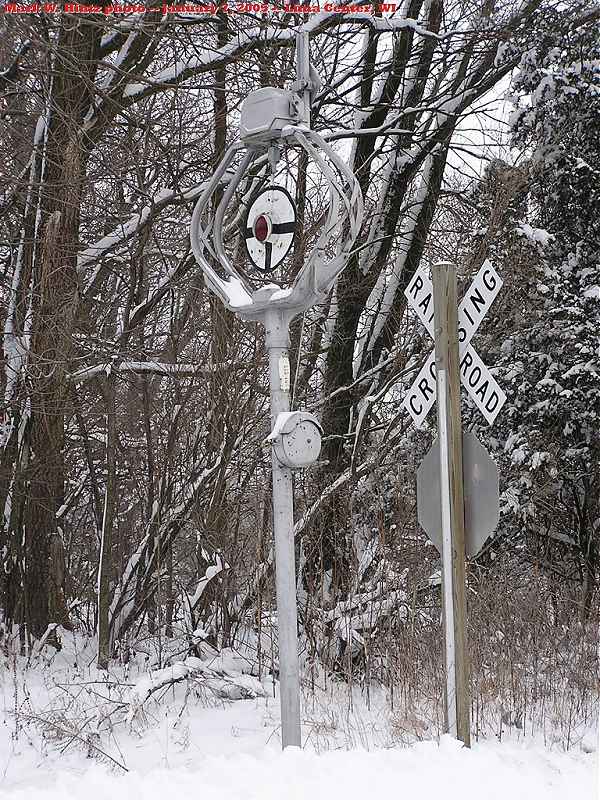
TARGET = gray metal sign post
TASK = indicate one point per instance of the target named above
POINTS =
(277, 342)
(447, 369)
(271, 120)
(457, 481)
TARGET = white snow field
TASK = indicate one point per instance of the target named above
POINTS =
(69, 731)
(426, 770)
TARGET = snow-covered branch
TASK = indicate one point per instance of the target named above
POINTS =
(148, 368)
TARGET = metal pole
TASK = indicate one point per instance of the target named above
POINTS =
(452, 501)
(303, 71)
(277, 342)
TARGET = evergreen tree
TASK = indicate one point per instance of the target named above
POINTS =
(549, 364)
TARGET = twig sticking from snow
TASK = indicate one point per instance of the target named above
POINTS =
(86, 740)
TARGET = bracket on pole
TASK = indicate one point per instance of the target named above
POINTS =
(307, 82)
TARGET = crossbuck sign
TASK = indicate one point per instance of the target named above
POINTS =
(476, 377)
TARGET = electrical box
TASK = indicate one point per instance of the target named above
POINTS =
(296, 439)
(265, 112)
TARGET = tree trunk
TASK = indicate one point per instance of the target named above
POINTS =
(50, 283)
(169, 599)
(105, 561)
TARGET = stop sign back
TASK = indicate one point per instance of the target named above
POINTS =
(481, 494)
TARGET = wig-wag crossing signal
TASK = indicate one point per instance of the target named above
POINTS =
(475, 376)
(273, 121)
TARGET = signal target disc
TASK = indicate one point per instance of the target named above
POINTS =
(269, 228)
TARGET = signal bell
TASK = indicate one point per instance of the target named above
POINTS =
(296, 439)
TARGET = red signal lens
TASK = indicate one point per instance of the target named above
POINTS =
(261, 228)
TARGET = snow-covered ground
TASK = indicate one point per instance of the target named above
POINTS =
(425, 771)
(70, 732)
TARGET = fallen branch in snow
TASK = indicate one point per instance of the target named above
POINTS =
(215, 675)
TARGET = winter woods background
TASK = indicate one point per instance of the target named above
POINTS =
(134, 478)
